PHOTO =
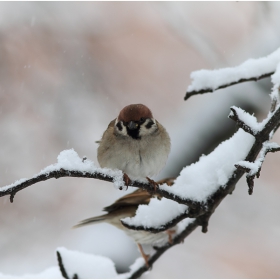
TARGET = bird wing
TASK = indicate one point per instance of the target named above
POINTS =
(136, 198)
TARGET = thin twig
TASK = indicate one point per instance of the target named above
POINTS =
(159, 251)
(234, 116)
(205, 90)
(214, 201)
(257, 166)
(62, 268)
(78, 174)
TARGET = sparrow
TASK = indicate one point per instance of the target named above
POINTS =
(135, 143)
(126, 206)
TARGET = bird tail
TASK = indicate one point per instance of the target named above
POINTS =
(89, 221)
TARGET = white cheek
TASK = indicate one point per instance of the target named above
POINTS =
(146, 131)
(123, 131)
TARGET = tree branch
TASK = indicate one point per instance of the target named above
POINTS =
(235, 117)
(62, 268)
(16, 187)
(214, 201)
(159, 251)
(195, 209)
(199, 211)
(254, 168)
(206, 90)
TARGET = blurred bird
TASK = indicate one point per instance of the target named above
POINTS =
(135, 143)
(126, 206)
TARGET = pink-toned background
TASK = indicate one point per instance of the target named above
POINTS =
(66, 69)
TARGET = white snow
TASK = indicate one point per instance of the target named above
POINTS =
(49, 273)
(213, 79)
(248, 119)
(196, 182)
(87, 266)
(156, 213)
(201, 179)
(139, 262)
(255, 166)
(183, 224)
(275, 79)
(13, 184)
(70, 160)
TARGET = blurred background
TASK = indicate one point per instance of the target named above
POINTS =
(68, 68)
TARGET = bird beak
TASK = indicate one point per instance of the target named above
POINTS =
(132, 125)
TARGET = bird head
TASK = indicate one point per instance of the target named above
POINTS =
(135, 121)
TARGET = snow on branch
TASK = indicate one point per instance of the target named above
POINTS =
(254, 168)
(275, 94)
(244, 120)
(218, 175)
(74, 265)
(197, 183)
(209, 180)
(196, 192)
(69, 164)
(251, 70)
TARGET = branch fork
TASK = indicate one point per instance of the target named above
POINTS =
(253, 169)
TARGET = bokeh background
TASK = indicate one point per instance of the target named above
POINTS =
(68, 68)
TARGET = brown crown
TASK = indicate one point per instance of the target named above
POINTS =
(134, 112)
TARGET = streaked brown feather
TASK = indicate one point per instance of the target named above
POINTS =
(136, 198)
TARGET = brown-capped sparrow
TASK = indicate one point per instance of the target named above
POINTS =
(126, 206)
(135, 143)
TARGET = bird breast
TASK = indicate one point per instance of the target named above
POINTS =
(138, 158)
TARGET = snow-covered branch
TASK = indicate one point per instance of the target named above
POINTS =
(217, 171)
(196, 192)
(208, 181)
(62, 267)
(254, 168)
(204, 81)
(69, 164)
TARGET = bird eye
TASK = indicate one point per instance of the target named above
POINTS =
(142, 119)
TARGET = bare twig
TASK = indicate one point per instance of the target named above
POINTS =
(205, 90)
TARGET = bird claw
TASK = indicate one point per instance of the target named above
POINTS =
(153, 183)
(145, 256)
(126, 180)
(170, 232)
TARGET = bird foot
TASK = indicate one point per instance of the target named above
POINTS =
(153, 183)
(170, 232)
(126, 180)
(145, 257)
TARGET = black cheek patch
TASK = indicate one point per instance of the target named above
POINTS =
(149, 124)
(119, 126)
